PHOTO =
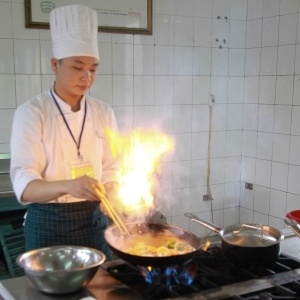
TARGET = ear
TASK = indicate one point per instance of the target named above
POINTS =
(54, 64)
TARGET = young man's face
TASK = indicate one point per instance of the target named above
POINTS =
(74, 75)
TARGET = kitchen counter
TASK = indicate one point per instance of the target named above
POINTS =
(104, 287)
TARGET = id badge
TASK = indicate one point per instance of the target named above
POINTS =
(80, 167)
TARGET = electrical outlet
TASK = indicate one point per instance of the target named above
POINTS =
(207, 198)
(248, 186)
(211, 100)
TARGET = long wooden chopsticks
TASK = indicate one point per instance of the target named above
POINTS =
(112, 213)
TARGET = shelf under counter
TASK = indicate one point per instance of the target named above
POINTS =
(9, 202)
(12, 241)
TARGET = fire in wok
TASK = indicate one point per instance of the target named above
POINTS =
(156, 245)
(139, 155)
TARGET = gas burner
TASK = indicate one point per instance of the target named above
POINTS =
(210, 275)
(180, 274)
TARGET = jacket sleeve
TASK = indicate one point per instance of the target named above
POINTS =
(27, 155)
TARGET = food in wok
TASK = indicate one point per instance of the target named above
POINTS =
(161, 245)
(154, 235)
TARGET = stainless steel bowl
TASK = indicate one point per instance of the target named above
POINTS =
(61, 269)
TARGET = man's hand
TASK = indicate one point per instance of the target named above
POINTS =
(84, 187)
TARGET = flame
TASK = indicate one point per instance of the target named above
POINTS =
(139, 154)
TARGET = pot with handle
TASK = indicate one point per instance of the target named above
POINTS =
(150, 233)
(294, 225)
(246, 244)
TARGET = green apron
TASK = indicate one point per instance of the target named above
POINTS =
(76, 223)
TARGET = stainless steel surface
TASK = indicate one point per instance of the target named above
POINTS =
(293, 225)
(5, 293)
(61, 269)
(6, 189)
(104, 287)
(205, 223)
(4, 163)
(247, 235)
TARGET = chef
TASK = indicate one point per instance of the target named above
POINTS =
(59, 152)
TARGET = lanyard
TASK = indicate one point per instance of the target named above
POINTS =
(83, 122)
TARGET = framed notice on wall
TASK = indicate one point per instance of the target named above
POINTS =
(120, 16)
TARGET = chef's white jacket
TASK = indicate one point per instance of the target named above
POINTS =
(43, 148)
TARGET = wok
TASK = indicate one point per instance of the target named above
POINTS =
(118, 243)
(246, 244)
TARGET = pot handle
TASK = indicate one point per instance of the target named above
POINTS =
(255, 227)
(205, 223)
(293, 225)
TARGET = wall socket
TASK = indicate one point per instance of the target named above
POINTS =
(248, 186)
(207, 198)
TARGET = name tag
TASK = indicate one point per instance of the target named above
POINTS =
(81, 167)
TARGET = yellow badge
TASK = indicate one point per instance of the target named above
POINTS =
(81, 167)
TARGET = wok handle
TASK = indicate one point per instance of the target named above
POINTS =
(205, 223)
(293, 225)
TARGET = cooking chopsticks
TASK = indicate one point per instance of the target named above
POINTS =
(112, 213)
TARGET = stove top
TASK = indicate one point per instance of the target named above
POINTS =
(210, 276)
(279, 281)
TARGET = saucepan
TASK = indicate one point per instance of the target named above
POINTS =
(150, 234)
(246, 244)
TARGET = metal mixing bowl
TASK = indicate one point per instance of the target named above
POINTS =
(61, 269)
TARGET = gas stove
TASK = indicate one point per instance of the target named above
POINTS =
(215, 278)
(210, 276)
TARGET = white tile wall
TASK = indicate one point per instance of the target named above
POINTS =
(281, 147)
(244, 52)
(282, 120)
(236, 62)
(271, 8)
(286, 60)
(238, 9)
(252, 64)
(267, 91)
(268, 60)
(252, 89)
(7, 84)
(288, 6)
(249, 143)
(203, 32)
(277, 134)
(237, 34)
(6, 49)
(270, 31)
(254, 30)
(288, 29)
(264, 145)
(6, 18)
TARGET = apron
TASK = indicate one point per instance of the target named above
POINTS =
(77, 223)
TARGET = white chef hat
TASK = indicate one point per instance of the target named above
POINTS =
(74, 31)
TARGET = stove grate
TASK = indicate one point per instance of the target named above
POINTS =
(288, 291)
(209, 271)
